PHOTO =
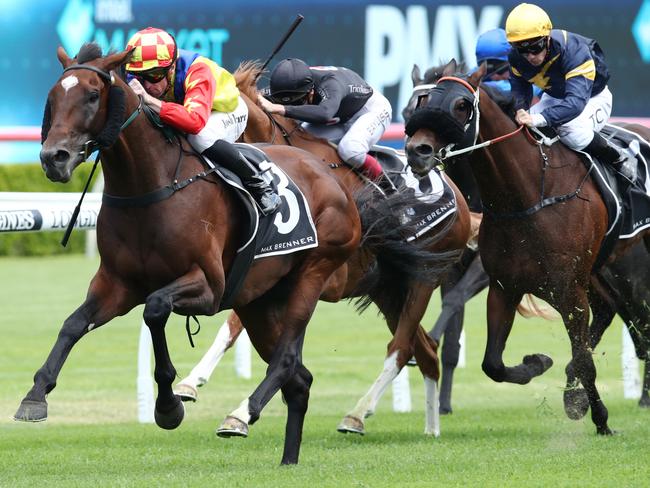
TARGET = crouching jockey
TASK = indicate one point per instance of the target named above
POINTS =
(336, 104)
(571, 71)
(198, 97)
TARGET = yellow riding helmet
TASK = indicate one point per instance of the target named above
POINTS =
(527, 21)
(152, 48)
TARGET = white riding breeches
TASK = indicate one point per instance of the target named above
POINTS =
(578, 133)
(228, 126)
(356, 135)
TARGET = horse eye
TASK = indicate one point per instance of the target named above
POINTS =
(93, 96)
(462, 105)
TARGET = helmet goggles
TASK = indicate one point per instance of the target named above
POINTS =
(530, 46)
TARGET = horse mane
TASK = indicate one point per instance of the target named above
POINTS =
(88, 52)
(246, 76)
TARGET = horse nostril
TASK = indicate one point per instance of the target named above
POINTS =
(61, 156)
(424, 150)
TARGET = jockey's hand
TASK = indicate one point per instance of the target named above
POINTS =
(270, 107)
(531, 120)
(524, 118)
(139, 90)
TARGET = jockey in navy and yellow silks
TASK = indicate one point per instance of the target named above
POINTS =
(574, 71)
(571, 71)
(197, 96)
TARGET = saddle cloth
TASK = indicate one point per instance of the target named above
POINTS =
(437, 200)
(628, 206)
(288, 229)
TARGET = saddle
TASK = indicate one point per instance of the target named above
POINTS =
(628, 204)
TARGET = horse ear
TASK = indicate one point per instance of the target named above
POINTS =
(64, 59)
(415, 75)
(450, 68)
(113, 61)
(476, 77)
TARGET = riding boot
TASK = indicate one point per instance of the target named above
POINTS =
(375, 173)
(227, 155)
(622, 160)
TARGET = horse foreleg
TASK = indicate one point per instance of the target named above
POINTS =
(501, 308)
(105, 300)
(189, 295)
(200, 374)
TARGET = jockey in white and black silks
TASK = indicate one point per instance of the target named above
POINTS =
(336, 104)
(571, 71)
(198, 97)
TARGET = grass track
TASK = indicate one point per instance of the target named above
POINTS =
(499, 435)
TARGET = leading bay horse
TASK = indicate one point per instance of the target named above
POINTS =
(409, 338)
(549, 251)
(172, 249)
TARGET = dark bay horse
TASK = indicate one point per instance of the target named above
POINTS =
(621, 286)
(549, 253)
(172, 249)
(408, 336)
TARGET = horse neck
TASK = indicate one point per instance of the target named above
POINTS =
(141, 160)
(507, 172)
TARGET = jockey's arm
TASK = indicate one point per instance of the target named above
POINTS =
(332, 94)
(191, 117)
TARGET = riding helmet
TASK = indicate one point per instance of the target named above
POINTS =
(152, 48)
(527, 21)
(291, 79)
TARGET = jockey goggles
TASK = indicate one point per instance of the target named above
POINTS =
(152, 76)
(533, 46)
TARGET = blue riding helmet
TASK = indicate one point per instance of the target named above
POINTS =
(492, 44)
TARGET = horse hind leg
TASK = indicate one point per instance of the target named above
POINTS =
(644, 401)
(186, 389)
(296, 395)
(427, 359)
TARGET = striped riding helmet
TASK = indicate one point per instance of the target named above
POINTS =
(154, 48)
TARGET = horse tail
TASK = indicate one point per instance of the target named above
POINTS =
(529, 307)
(399, 263)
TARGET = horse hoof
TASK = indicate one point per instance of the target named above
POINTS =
(576, 403)
(172, 418)
(604, 430)
(445, 410)
(31, 411)
(233, 427)
(644, 402)
(186, 392)
(538, 363)
(351, 425)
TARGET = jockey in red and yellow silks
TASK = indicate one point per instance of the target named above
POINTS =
(197, 96)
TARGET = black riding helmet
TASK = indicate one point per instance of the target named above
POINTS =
(291, 81)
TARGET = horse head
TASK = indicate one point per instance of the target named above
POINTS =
(448, 118)
(84, 110)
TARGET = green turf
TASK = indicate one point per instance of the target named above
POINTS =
(499, 435)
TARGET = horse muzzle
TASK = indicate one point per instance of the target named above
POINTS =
(58, 163)
(420, 157)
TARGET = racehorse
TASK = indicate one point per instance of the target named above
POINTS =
(619, 286)
(172, 250)
(531, 250)
(409, 337)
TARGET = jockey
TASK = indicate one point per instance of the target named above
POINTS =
(571, 71)
(492, 48)
(336, 104)
(196, 96)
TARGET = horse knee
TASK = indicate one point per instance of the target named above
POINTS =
(157, 309)
(495, 371)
